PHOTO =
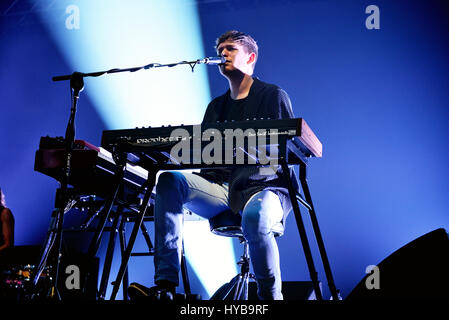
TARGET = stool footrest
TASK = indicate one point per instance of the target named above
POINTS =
(143, 254)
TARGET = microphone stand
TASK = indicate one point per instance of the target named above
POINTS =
(76, 86)
(62, 195)
(192, 64)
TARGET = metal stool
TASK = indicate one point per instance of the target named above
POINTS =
(229, 224)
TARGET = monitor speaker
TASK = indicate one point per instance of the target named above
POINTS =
(418, 270)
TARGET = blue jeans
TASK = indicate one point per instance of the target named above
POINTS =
(261, 216)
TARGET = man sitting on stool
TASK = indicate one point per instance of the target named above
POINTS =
(259, 195)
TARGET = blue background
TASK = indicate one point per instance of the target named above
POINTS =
(377, 100)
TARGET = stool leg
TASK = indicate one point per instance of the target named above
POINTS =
(240, 283)
(238, 288)
(245, 287)
(246, 270)
(241, 291)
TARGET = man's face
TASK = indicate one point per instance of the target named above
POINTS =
(237, 59)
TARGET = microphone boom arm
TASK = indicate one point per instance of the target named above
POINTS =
(192, 64)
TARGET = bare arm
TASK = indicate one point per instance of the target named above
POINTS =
(7, 223)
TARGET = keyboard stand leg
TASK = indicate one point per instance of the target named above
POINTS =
(134, 232)
(145, 234)
(302, 231)
(316, 229)
(109, 254)
(184, 271)
(104, 216)
(122, 237)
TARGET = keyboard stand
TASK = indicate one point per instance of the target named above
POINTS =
(292, 149)
(137, 225)
(289, 149)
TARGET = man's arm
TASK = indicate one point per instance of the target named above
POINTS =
(279, 105)
(285, 105)
(7, 221)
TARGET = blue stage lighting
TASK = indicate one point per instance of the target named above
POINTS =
(104, 34)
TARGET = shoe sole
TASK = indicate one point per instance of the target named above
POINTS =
(140, 290)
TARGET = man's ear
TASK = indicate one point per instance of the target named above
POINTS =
(252, 58)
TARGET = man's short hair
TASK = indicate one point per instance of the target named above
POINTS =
(242, 38)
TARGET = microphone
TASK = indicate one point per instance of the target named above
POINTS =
(212, 60)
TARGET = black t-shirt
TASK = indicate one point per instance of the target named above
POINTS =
(263, 101)
(236, 108)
